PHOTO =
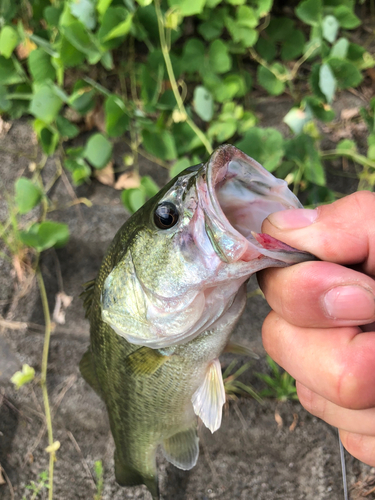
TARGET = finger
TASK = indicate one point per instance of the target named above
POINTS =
(336, 363)
(358, 421)
(342, 232)
(320, 294)
(360, 446)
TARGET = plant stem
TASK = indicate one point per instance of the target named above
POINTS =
(172, 79)
(43, 379)
(334, 153)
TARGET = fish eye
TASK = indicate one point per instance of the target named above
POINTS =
(166, 215)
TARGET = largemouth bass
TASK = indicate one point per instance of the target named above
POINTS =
(168, 294)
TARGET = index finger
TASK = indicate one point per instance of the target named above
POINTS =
(342, 232)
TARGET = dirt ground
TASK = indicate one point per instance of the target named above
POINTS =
(250, 457)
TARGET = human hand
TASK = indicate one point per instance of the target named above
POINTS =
(320, 329)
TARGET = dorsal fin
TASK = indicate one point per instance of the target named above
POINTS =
(87, 296)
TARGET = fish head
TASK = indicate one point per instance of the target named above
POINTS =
(190, 249)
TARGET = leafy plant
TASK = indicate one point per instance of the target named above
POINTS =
(281, 385)
(98, 468)
(234, 44)
(37, 488)
(233, 386)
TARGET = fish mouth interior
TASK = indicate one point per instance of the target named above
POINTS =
(244, 193)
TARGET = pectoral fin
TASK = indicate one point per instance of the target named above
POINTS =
(182, 449)
(145, 361)
(209, 398)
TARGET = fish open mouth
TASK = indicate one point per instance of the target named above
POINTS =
(240, 195)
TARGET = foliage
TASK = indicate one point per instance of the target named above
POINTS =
(281, 385)
(23, 377)
(98, 468)
(235, 46)
(233, 386)
(38, 487)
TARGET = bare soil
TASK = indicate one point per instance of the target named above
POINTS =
(253, 456)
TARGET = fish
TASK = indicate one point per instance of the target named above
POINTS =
(168, 294)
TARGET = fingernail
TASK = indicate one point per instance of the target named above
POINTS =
(349, 302)
(293, 219)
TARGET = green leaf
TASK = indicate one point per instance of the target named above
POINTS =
(102, 6)
(266, 49)
(23, 377)
(193, 55)
(297, 118)
(45, 235)
(223, 130)
(241, 34)
(82, 99)
(116, 119)
(185, 138)
(212, 28)
(160, 143)
(265, 145)
(47, 136)
(188, 7)
(293, 45)
(69, 55)
(178, 167)
(52, 15)
(346, 73)
(327, 82)
(8, 41)
(116, 23)
(203, 103)
(133, 199)
(8, 73)
(66, 128)
(98, 151)
(45, 104)
(340, 49)
(279, 28)
(320, 110)
(346, 17)
(150, 186)
(80, 170)
(84, 10)
(28, 195)
(219, 58)
(303, 151)
(5, 103)
(330, 28)
(247, 17)
(269, 81)
(40, 66)
(310, 11)
(346, 146)
(263, 7)
(83, 41)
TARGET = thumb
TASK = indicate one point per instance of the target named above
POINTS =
(342, 232)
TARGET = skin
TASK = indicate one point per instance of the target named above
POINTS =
(322, 327)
